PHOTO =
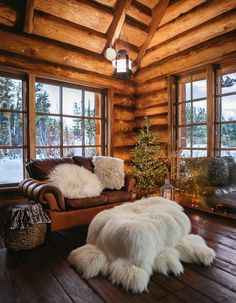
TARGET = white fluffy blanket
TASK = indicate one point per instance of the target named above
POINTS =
(129, 242)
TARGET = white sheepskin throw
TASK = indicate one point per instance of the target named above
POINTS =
(129, 242)
(110, 171)
(75, 181)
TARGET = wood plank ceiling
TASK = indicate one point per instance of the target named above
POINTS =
(154, 29)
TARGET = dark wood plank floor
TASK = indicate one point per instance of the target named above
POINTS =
(43, 274)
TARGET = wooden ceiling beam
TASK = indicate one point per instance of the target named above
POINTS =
(157, 14)
(139, 12)
(108, 3)
(39, 49)
(178, 8)
(189, 20)
(86, 13)
(211, 29)
(142, 7)
(149, 3)
(134, 33)
(45, 69)
(7, 15)
(67, 32)
(29, 16)
(204, 53)
(115, 28)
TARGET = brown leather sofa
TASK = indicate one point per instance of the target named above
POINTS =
(66, 213)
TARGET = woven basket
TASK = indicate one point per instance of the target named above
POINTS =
(28, 238)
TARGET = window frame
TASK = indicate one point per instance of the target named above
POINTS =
(29, 113)
(212, 77)
(103, 118)
(189, 78)
(24, 114)
(220, 71)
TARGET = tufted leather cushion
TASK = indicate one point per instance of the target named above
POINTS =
(40, 168)
(107, 197)
(85, 162)
(86, 202)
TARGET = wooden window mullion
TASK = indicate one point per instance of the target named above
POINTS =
(31, 125)
(210, 75)
(83, 123)
(61, 120)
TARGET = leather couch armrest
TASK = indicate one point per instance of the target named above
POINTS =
(42, 192)
(130, 182)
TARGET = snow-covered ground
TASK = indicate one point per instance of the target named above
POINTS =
(11, 171)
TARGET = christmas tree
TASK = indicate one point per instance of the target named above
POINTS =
(148, 165)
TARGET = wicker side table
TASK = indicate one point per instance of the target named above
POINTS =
(25, 227)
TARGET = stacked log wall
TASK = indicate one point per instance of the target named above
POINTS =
(62, 60)
(152, 91)
(152, 102)
(124, 137)
(183, 42)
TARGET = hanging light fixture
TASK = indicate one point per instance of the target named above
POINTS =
(120, 58)
(122, 65)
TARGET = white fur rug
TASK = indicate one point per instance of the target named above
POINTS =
(129, 242)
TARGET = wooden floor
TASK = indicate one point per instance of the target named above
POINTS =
(43, 274)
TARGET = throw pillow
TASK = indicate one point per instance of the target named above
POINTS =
(110, 171)
(75, 181)
(218, 171)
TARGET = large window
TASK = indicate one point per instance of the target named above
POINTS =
(47, 119)
(206, 126)
(192, 116)
(69, 121)
(12, 113)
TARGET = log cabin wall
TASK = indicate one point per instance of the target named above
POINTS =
(62, 40)
(51, 39)
(47, 39)
(123, 127)
(192, 34)
(152, 102)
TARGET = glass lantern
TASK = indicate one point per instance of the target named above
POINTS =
(167, 190)
(122, 65)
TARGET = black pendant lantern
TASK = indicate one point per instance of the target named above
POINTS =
(122, 65)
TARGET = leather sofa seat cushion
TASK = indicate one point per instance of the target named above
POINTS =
(114, 196)
(86, 202)
(40, 169)
(106, 197)
(85, 162)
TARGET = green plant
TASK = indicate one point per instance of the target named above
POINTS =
(148, 165)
